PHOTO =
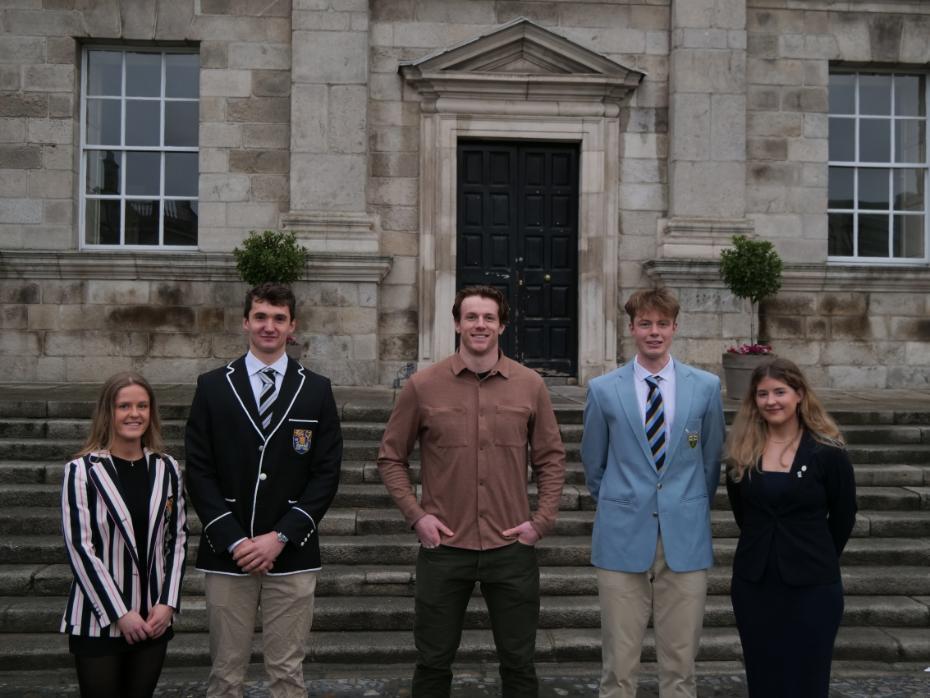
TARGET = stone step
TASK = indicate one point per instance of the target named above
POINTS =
(34, 449)
(554, 550)
(351, 520)
(23, 651)
(341, 613)
(41, 579)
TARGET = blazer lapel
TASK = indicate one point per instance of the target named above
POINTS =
(158, 491)
(684, 394)
(238, 378)
(103, 475)
(626, 391)
(294, 378)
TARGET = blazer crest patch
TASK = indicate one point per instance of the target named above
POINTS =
(301, 439)
(693, 439)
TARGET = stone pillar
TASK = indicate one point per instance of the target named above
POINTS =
(707, 128)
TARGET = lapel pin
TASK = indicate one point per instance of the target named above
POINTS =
(693, 439)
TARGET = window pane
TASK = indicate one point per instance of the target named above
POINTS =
(842, 94)
(909, 236)
(182, 75)
(908, 190)
(842, 140)
(103, 171)
(874, 94)
(141, 222)
(840, 236)
(910, 140)
(143, 74)
(181, 174)
(180, 222)
(143, 174)
(103, 120)
(181, 123)
(840, 188)
(143, 122)
(101, 222)
(873, 236)
(875, 140)
(104, 73)
(909, 97)
(873, 188)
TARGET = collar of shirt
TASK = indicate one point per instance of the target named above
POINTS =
(666, 385)
(501, 367)
(254, 366)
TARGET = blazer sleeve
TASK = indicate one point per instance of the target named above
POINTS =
(713, 427)
(219, 525)
(302, 518)
(594, 443)
(78, 524)
(840, 488)
(175, 539)
(736, 501)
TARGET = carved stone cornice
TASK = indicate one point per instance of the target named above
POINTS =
(175, 266)
(531, 68)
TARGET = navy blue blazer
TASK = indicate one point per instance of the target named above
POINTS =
(809, 525)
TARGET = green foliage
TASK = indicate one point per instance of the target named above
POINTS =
(751, 269)
(271, 256)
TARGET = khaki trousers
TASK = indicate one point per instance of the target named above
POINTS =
(287, 612)
(676, 601)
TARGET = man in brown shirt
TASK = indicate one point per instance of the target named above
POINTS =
(475, 413)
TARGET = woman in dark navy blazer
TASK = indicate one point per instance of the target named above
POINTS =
(123, 520)
(793, 494)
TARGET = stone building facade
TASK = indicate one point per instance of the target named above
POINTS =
(125, 184)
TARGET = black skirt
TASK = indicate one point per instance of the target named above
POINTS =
(84, 646)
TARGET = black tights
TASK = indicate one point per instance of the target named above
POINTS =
(132, 674)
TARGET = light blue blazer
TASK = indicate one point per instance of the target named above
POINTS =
(634, 501)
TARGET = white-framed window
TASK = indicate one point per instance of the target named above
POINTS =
(140, 115)
(877, 193)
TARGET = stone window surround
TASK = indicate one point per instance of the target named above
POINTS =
(858, 166)
(83, 148)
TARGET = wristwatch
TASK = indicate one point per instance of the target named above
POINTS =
(281, 537)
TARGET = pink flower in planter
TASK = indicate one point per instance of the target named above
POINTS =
(751, 349)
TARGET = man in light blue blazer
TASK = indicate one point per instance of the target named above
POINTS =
(653, 435)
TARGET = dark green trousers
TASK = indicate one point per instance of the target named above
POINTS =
(446, 577)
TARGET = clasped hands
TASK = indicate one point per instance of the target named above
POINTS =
(136, 629)
(257, 555)
(430, 530)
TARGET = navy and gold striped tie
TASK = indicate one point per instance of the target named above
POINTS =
(655, 422)
(267, 396)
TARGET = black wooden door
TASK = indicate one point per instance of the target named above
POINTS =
(518, 231)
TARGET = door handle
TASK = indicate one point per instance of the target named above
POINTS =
(547, 278)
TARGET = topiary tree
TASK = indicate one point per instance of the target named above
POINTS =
(271, 256)
(751, 269)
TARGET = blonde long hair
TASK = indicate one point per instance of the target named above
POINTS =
(747, 436)
(101, 426)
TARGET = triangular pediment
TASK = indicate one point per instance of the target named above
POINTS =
(520, 60)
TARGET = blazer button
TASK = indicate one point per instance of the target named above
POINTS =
(659, 486)
(655, 514)
(263, 476)
(261, 448)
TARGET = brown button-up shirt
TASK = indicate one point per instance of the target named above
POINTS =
(473, 451)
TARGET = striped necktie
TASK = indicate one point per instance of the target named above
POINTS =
(267, 396)
(655, 422)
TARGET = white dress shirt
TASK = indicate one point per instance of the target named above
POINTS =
(666, 387)
(254, 366)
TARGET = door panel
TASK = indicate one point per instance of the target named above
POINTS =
(518, 231)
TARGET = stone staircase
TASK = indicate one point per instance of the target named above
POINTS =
(364, 609)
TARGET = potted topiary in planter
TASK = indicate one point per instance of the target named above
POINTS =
(273, 256)
(750, 269)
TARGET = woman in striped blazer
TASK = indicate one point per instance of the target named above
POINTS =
(123, 518)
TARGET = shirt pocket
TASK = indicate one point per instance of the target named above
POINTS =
(446, 427)
(510, 425)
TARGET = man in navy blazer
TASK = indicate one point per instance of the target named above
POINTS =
(653, 435)
(264, 450)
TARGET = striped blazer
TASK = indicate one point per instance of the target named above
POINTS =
(101, 544)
